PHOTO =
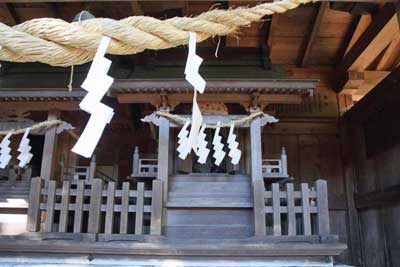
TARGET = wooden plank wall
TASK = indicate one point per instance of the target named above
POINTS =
(313, 149)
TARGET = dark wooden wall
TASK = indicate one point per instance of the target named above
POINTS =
(372, 166)
(314, 152)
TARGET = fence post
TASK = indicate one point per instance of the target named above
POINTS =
(135, 165)
(33, 223)
(259, 208)
(156, 207)
(322, 207)
(95, 206)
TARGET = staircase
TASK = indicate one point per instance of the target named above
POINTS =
(14, 192)
(209, 206)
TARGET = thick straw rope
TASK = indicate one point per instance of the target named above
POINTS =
(59, 43)
(33, 127)
(224, 125)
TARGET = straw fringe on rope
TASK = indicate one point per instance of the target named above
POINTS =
(59, 43)
(224, 125)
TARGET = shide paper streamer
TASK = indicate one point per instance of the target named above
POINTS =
(193, 77)
(24, 148)
(5, 151)
(202, 151)
(97, 84)
(234, 152)
(183, 141)
(219, 153)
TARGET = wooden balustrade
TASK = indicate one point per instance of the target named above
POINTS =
(289, 212)
(89, 207)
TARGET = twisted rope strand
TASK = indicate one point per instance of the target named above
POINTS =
(59, 43)
(224, 125)
(33, 127)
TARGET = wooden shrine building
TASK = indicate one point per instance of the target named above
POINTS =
(314, 95)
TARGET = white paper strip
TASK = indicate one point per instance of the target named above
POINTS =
(219, 153)
(24, 148)
(197, 120)
(192, 66)
(234, 152)
(5, 151)
(183, 141)
(202, 151)
(97, 84)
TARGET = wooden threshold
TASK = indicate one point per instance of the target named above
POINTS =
(269, 246)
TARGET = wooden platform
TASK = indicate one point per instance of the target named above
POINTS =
(84, 244)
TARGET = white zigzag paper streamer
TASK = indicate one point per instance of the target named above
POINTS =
(25, 156)
(97, 84)
(5, 151)
(219, 153)
(234, 152)
(183, 141)
(193, 77)
(202, 150)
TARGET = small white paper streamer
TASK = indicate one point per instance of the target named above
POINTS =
(192, 66)
(202, 150)
(183, 141)
(5, 151)
(24, 148)
(197, 120)
(97, 84)
(219, 153)
(234, 152)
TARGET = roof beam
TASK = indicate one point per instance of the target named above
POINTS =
(314, 33)
(391, 57)
(10, 13)
(362, 25)
(373, 41)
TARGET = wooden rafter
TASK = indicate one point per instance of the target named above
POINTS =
(362, 25)
(391, 57)
(373, 41)
(10, 13)
(314, 32)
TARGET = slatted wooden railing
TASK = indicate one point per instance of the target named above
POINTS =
(93, 207)
(288, 212)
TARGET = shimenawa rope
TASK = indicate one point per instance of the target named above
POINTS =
(59, 43)
(224, 125)
(33, 127)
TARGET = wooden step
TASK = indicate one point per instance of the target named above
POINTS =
(212, 177)
(210, 203)
(210, 187)
(208, 232)
(177, 217)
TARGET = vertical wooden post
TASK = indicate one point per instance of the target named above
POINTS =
(135, 164)
(92, 167)
(50, 141)
(95, 206)
(284, 162)
(156, 208)
(256, 154)
(322, 207)
(259, 208)
(33, 223)
(163, 151)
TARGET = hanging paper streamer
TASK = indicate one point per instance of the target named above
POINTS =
(5, 151)
(183, 141)
(234, 152)
(202, 151)
(193, 77)
(219, 153)
(24, 148)
(97, 84)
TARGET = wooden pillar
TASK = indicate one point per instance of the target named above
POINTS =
(255, 146)
(163, 153)
(50, 141)
(92, 167)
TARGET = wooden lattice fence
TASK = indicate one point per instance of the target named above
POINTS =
(290, 212)
(93, 207)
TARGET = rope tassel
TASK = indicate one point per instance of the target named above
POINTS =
(59, 43)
